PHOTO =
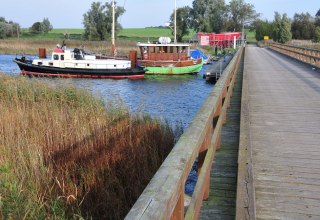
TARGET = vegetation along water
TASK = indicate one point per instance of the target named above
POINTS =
(62, 150)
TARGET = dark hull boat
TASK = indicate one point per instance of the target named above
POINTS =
(75, 63)
(28, 68)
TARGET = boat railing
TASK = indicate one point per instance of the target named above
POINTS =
(164, 197)
(306, 55)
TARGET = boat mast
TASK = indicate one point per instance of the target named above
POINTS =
(175, 21)
(112, 32)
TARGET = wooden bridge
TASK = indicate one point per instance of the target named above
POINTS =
(262, 165)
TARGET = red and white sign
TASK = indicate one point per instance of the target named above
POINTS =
(205, 41)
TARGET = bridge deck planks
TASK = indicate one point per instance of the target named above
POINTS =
(223, 183)
(284, 106)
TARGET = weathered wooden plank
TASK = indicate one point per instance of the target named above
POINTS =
(282, 192)
(245, 204)
(221, 202)
(284, 124)
(267, 197)
(280, 215)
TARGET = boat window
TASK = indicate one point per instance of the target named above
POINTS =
(145, 50)
(171, 49)
(62, 57)
(56, 57)
(165, 49)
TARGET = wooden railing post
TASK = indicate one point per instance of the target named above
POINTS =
(178, 213)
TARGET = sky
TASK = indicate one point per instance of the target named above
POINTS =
(139, 13)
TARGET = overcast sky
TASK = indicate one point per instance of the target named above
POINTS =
(139, 13)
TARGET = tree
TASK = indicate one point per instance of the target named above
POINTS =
(317, 35)
(98, 21)
(41, 27)
(36, 28)
(46, 25)
(208, 15)
(183, 22)
(317, 19)
(217, 16)
(5, 30)
(263, 28)
(240, 13)
(282, 28)
(303, 26)
(8, 28)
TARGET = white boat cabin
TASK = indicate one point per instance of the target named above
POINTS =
(75, 58)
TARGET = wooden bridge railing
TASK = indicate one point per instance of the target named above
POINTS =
(307, 55)
(163, 198)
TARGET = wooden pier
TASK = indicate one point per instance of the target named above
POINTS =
(267, 163)
(221, 203)
(279, 163)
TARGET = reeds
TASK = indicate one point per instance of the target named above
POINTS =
(65, 154)
(31, 46)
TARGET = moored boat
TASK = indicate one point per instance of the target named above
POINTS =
(75, 63)
(163, 57)
(196, 54)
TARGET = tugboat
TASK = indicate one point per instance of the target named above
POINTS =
(75, 63)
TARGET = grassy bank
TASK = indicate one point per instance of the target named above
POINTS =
(64, 155)
(31, 46)
(126, 40)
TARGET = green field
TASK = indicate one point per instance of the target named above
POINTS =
(134, 34)
(251, 35)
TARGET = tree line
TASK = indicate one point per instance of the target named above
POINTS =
(203, 16)
(214, 16)
(8, 28)
(13, 29)
(282, 29)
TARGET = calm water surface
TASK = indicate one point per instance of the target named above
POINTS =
(174, 98)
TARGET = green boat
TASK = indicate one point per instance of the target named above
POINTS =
(165, 58)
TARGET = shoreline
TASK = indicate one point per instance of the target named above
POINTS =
(31, 46)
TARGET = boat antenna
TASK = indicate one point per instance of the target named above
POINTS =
(175, 21)
(112, 32)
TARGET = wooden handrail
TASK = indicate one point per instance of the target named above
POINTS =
(306, 55)
(163, 198)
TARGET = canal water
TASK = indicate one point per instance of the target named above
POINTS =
(173, 98)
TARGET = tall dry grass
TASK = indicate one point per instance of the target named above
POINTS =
(31, 46)
(64, 155)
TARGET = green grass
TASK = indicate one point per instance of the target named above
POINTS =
(145, 34)
(68, 31)
(131, 34)
(74, 34)
(251, 35)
